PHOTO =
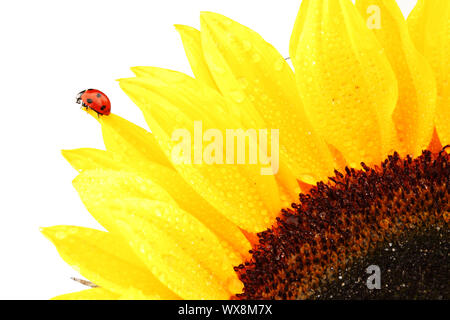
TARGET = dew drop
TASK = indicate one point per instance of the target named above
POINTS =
(60, 235)
(247, 45)
(256, 58)
(237, 96)
(279, 64)
(218, 69)
(243, 82)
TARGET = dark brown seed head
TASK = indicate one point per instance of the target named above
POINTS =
(395, 216)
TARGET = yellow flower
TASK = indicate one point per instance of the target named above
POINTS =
(175, 231)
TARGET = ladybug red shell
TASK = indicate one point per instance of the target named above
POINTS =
(96, 100)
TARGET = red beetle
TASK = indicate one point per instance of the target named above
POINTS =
(95, 100)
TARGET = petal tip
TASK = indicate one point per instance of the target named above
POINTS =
(209, 16)
(183, 29)
(65, 153)
(179, 27)
(48, 232)
(124, 79)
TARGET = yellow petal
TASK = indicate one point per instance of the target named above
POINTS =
(100, 186)
(88, 159)
(414, 114)
(131, 141)
(346, 82)
(185, 255)
(108, 184)
(266, 82)
(429, 26)
(105, 259)
(163, 74)
(89, 294)
(193, 47)
(91, 159)
(157, 182)
(133, 294)
(298, 28)
(239, 192)
(189, 200)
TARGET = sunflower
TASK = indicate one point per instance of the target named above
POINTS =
(354, 120)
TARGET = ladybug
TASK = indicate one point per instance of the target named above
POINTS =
(95, 100)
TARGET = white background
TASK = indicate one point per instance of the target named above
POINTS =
(51, 50)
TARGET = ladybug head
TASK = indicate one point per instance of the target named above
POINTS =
(78, 98)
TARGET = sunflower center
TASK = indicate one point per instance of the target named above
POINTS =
(394, 217)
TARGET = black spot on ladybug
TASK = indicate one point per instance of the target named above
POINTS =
(89, 100)
(99, 95)
(103, 108)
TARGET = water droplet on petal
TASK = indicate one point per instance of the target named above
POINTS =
(218, 69)
(60, 235)
(279, 64)
(247, 45)
(243, 82)
(256, 57)
(237, 96)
